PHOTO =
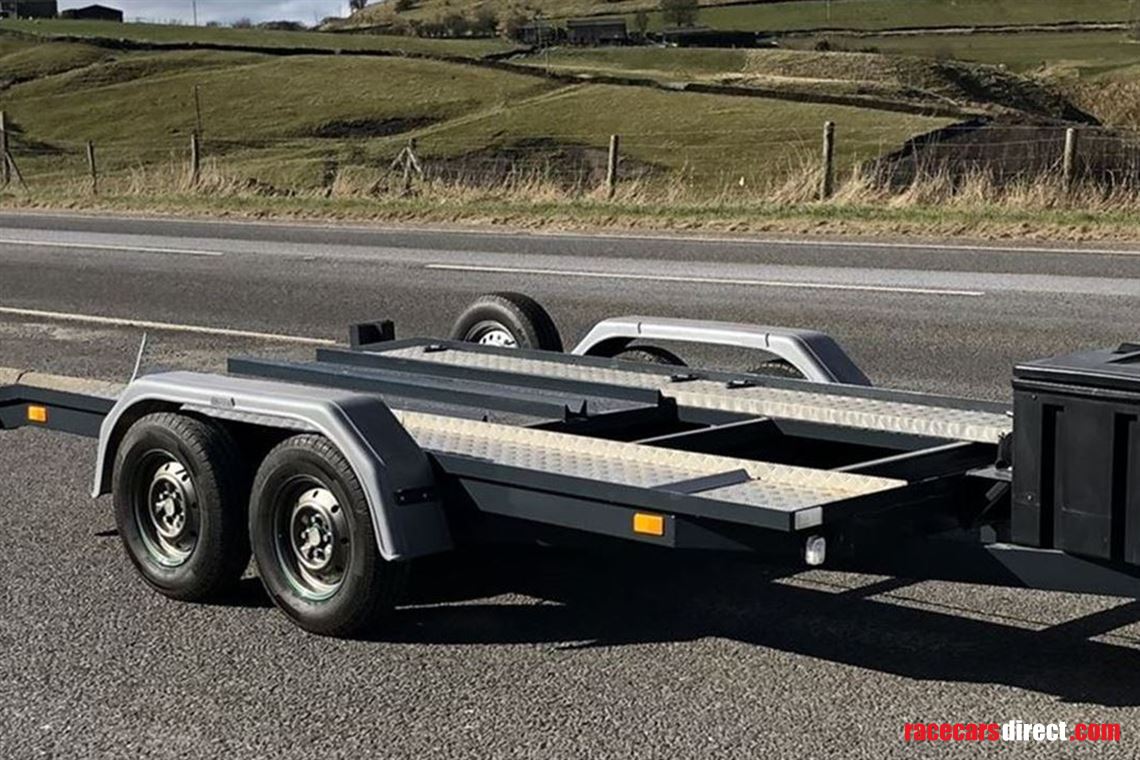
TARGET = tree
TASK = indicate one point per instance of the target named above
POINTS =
(511, 25)
(485, 22)
(357, 5)
(679, 12)
(282, 26)
(455, 24)
(641, 21)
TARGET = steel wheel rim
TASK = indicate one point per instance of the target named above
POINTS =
(493, 334)
(313, 542)
(166, 509)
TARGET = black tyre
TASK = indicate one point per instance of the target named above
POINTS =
(313, 540)
(651, 355)
(777, 368)
(507, 320)
(180, 491)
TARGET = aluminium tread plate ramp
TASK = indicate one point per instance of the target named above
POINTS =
(830, 408)
(773, 495)
(11, 378)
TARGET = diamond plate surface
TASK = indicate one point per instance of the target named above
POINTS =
(846, 411)
(98, 388)
(778, 487)
(807, 406)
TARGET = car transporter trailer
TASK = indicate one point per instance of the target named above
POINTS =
(338, 472)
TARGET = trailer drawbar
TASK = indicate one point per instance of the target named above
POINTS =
(337, 473)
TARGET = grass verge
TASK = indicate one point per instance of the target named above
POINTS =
(923, 218)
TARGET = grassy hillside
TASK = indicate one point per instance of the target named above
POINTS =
(1113, 96)
(164, 34)
(254, 97)
(316, 134)
(22, 60)
(888, 14)
(874, 77)
(304, 123)
(807, 14)
(713, 140)
(1089, 52)
(1097, 71)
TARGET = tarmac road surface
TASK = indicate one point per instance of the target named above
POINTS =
(532, 652)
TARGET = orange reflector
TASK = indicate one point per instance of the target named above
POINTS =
(37, 414)
(650, 525)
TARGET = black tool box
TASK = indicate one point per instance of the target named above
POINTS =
(1077, 467)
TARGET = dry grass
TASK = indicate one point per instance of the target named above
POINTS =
(979, 192)
(1114, 97)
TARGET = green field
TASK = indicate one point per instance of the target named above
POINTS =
(316, 134)
(868, 78)
(22, 60)
(255, 96)
(675, 63)
(292, 123)
(717, 139)
(1088, 52)
(260, 38)
(813, 14)
(888, 14)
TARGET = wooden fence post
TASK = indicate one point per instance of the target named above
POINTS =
(93, 167)
(827, 184)
(4, 150)
(197, 110)
(1069, 162)
(411, 164)
(612, 167)
(195, 159)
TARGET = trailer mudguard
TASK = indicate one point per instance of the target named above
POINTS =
(816, 355)
(395, 473)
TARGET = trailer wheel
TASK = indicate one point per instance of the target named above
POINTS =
(312, 537)
(507, 320)
(180, 489)
(651, 355)
(777, 368)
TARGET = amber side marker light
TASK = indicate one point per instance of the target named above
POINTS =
(37, 414)
(648, 525)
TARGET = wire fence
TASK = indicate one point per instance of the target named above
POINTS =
(794, 162)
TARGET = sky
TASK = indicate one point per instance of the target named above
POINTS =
(222, 10)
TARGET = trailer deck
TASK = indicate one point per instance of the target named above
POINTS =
(779, 496)
(898, 413)
(769, 453)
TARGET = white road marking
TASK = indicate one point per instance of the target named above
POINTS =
(106, 247)
(712, 280)
(163, 326)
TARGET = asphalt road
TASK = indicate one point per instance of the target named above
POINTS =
(533, 653)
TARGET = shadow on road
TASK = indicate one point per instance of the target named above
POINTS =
(610, 599)
(249, 593)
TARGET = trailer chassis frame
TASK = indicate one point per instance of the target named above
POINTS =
(950, 523)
